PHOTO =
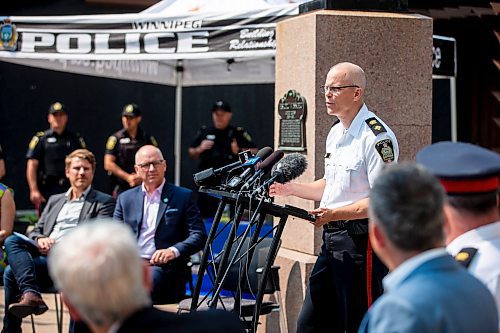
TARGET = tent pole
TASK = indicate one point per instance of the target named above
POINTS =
(178, 122)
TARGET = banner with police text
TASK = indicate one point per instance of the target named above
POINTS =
(143, 36)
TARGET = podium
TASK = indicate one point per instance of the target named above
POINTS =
(218, 266)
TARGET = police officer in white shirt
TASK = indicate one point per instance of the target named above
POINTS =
(470, 176)
(347, 277)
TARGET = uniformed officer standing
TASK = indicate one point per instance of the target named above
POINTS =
(46, 153)
(357, 147)
(470, 176)
(216, 146)
(121, 148)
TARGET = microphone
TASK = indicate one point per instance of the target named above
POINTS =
(265, 166)
(289, 168)
(207, 176)
(252, 165)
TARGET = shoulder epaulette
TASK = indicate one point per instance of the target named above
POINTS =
(375, 126)
(465, 256)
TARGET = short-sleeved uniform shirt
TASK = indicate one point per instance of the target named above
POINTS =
(124, 147)
(485, 264)
(51, 149)
(221, 153)
(354, 157)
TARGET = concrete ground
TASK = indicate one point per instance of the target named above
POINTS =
(47, 322)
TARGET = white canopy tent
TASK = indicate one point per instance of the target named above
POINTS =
(175, 42)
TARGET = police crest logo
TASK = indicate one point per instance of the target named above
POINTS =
(33, 142)
(111, 143)
(129, 108)
(8, 35)
(385, 150)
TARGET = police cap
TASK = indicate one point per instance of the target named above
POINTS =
(131, 110)
(462, 168)
(57, 107)
(221, 105)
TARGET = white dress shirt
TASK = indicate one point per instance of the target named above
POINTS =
(146, 240)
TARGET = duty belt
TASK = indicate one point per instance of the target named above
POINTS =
(353, 227)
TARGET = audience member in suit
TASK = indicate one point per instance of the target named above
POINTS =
(426, 289)
(470, 175)
(112, 293)
(27, 273)
(166, 222)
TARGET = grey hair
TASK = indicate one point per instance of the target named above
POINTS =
(406, 201)
(98, 268)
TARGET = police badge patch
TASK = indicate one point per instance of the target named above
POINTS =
(8, 35)
(110, 145)
(385, 150)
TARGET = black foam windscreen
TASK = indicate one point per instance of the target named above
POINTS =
(289, 168)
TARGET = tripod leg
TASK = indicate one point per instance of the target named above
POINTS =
(206, 252)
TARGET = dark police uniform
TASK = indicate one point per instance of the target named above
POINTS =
(220, 155)
(347, 277)
(123, 147)
(50, 150)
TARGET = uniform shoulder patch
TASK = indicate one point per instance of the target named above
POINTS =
(386, 150)
(465, 256)
(111, 143)
(82, 142)
(153, 141)
(375, 126)
(34, 141)
(247, 136)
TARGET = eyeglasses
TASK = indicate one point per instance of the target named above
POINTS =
(335, 90)
(145, 166)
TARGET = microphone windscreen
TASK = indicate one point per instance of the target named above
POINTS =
(268, 163)
(289, 168)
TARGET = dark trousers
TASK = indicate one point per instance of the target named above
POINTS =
(169, 284)
(336, 297)
(27, 271)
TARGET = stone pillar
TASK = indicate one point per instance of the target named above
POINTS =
(395, 50)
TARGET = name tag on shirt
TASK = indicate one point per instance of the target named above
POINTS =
(51, 140)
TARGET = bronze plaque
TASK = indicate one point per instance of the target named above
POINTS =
(292, 114)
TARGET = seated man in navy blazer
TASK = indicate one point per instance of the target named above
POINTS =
(426, 289)
(27, 273)
(167, 223)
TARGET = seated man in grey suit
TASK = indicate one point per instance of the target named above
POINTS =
(166, 222)
(113, 293)
(426, 290)
(27, 273)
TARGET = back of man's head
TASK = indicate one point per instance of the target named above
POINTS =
(406, 201)
(98, 268)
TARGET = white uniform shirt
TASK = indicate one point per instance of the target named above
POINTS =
(352, 161)
(486, 263)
